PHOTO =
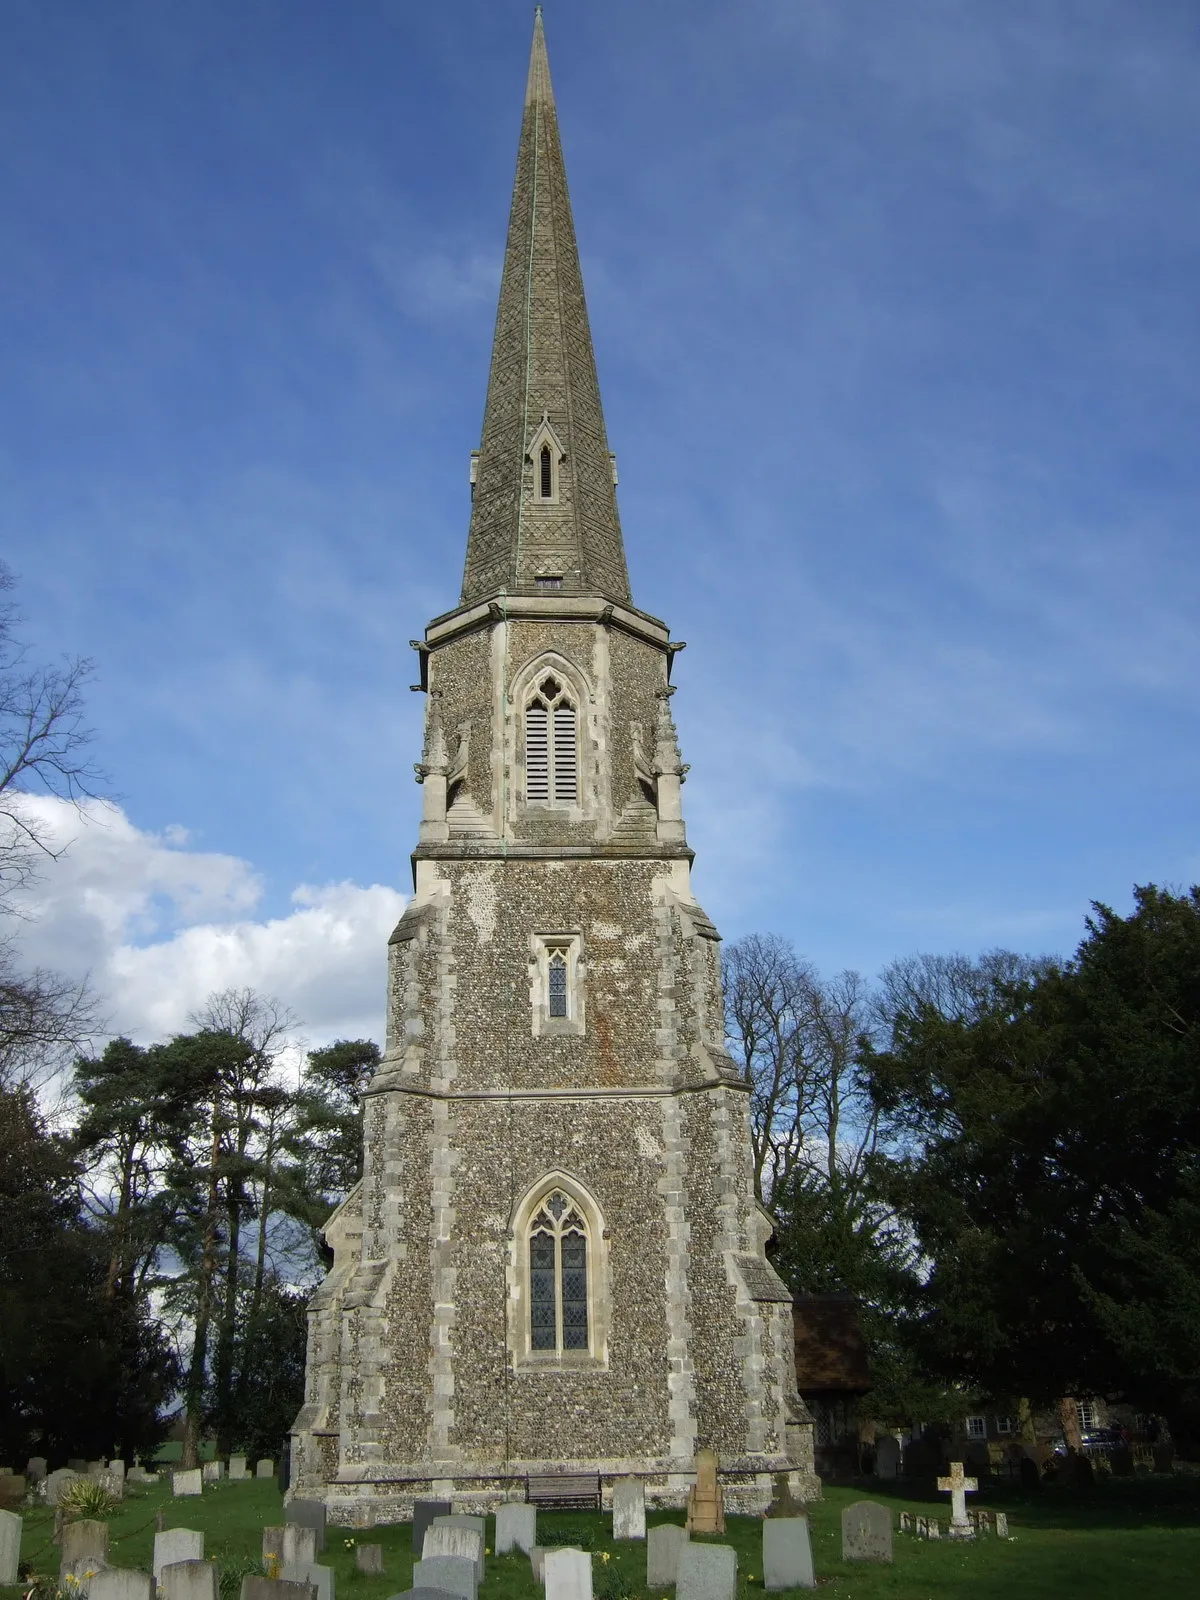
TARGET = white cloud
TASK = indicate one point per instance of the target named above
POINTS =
(159, 927)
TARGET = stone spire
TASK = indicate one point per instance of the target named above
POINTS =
(544, 503)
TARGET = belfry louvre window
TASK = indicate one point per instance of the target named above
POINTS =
(558, 1277)
(546, 474)
(551, 746)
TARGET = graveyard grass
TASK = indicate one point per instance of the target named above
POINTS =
(1123, 1538)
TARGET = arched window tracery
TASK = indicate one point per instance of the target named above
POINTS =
(558, 1276)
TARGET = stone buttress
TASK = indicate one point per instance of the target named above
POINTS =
(554, 1260)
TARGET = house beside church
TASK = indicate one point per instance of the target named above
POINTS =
(555, 1261)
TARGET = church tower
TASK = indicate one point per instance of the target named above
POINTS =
(554, 1260)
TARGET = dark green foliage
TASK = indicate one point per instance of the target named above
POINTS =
(270, 1386)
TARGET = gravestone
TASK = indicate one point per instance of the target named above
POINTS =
(275, 1588)
(189, 1580)
(308, 1514)
(454, 1575)
(516, 1527)
(299, 1545)
(787, 1554)
(121, 1583)
(320, 1577)
(424, 1513)
(906, 1522)
(10, 1546)
(93, 1467)
(663, 1543)
(368, 1558)
(84, 1546)
(958, 1487)
(57, 1482)
(887, 1456)
(1001, 1525)
(35, 1469)
(457, 1536)
(74, 1464)
(629, 1509)
(706, 1572)
(237, 1469)
(12, 1489)
(272, 1545)
(537, 1561)
(213, 1471)
(933, 1528)
(266, 1469)
(866, 1532)
(567, 1574)
(706, 1503)
(176, 1544)
(117, 1468)
(187, 1483)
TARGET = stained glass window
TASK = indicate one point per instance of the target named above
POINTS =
(558, 1277)
(557, 984)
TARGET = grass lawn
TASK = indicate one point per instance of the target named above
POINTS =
(1125, 1537)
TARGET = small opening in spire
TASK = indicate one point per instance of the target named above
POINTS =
(547, 473)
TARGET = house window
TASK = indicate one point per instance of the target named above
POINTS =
(976, 1427)
(558, 1277)
(551, 746)
(1006, 1425)
(1088, 1415)
(556, 984)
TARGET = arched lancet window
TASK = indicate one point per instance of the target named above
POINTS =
(558, 1276)
(551, 745)
(546, 473)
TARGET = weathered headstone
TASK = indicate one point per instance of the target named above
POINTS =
(958, 1487)
(629, 1509)
(906, 1522)
(787, 1554)
(121, 1583)
(266, 1469)
(537, 1561)
(189, 1580)
(189, 1482)
(272, 1546)
(12, 1489)
(455, 1575)
(174, 1545)
(320, 1577)
(75, 1464)
(456, 1536)
(516, 1527)
(866, 1532)
(706, 1572)
(567, 1574)
(117, 1468)
(84, 1547)
(887, 1456)
(213, 1471)
(237, 1469)
(35, 1469)
(308, 1514)
(706, 1503)
(1001, 1525)
(299, 1545)
(57, 1482)
(275, 1588)
(369, 1558)
(10, 1546)
(425, 1512)
(663, 1543)
(933, 1528)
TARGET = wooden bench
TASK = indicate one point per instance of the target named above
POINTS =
(579, 1492)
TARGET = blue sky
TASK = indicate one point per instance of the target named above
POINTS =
(896, 318)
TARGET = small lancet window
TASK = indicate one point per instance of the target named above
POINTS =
(551, 745)
(558, 1277)
(556, 983)
(546, 474)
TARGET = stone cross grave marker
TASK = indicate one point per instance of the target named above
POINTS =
(866, 1532)
(425, 1512)
(787, 1554)
(706, 1503)
(453, 1575)
(369, 1558)
(568, 1574)
(10, 1546)
(706, 1572)
(176, 1544)
(190, 1482)
(629, 1509)
(121, 1583)
(298, 1546)
(516, 1527)
(663, 1543)
(84, 1547)
(189, 1580)
(958, 1488)
(312, 1572)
